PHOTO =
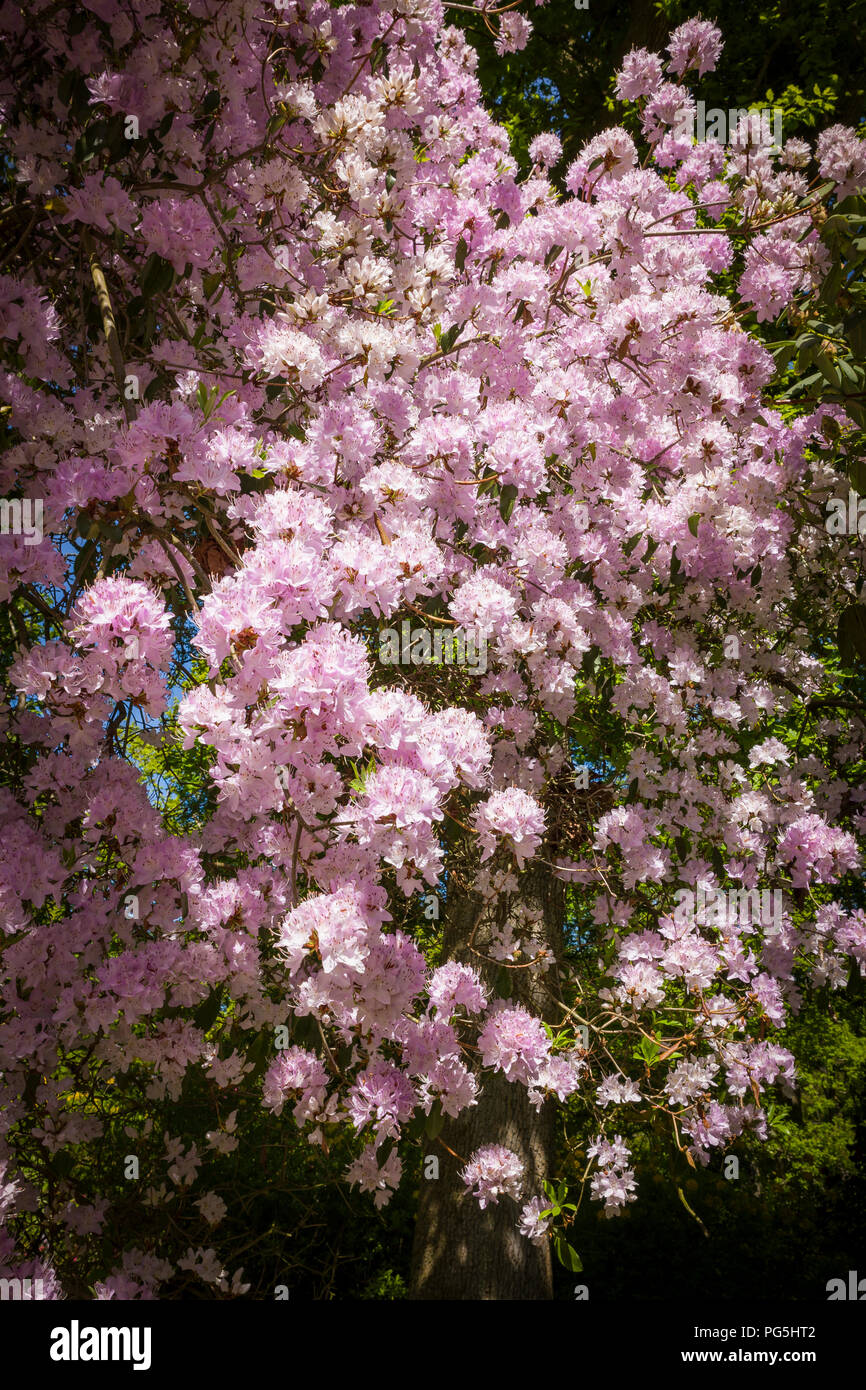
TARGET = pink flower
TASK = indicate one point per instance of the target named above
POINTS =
(605, 158)
(531, 1223)
(695, 44)
(512, 815)
(816, 851)
(491, 1172)
(123, 617)
(546, 150)
(841, 156)
(514, 1042)
(615, 1183)
(640, 74)
(366, 1173)
(514, 32)
(769, 753)
(303, 1074)
(383, 1096)
(179, 230)
(453, 986)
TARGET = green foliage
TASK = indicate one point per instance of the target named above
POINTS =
(386, 1285)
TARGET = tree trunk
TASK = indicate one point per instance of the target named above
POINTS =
(460, 1251)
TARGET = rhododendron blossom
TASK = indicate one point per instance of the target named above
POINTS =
(492, 1172)
(304, 360)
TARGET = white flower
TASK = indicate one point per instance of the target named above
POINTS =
(212, 1208)
(204, 1263)
(531, 1224)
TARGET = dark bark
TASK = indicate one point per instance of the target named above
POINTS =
(460, 1251)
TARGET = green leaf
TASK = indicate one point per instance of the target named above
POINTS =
(832, 285)
(831, 429)
(855, 333)
(857, 410)
(694, 522)
(62, 1163)
(304, 1031)
(461, 253)
(631, 545)
(449, 338)
(829, 368)
(781, 352)
(857, 473)
(435, 1121)
(648, 1051)
(507, 499)
(504, 983)
(808, 345)
(259, 1054)
(157, 277)
(416, 1128)
(190, 43)
(83, 561)
(206, 1014)
(851, 634)
(566, 1255)
(848, 373)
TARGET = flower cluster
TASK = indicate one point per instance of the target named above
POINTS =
(493, 1172)
(614, 1184)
